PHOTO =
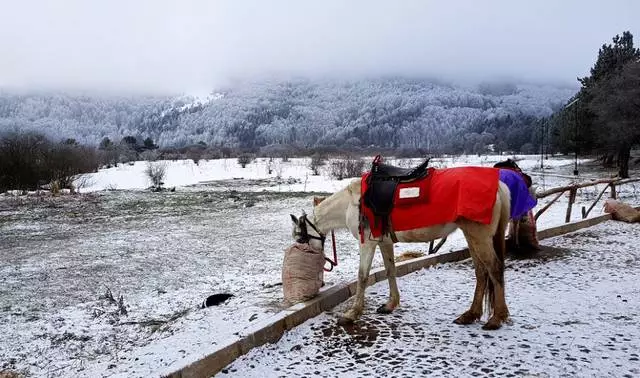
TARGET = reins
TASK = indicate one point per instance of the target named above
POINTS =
(305, 237)
(335, 254)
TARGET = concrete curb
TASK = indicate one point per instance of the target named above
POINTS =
(272, 329)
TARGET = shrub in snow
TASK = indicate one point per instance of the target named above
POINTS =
(347, 167)
(156, 172)
(317, 161)
(244, 159)
(195, 155)
(149, 155)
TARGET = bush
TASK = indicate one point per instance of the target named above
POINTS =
(317, 161)
(527, 149)
(211, 154)
(66, 161)
(149, 155)
(156, 172)
(346, 167)
(410, 153)
(284, 151)
(245, 159)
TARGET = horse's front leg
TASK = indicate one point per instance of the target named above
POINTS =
(390, 267)
(366, 257)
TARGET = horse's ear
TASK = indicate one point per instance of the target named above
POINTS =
(317, 200)
(294, 219)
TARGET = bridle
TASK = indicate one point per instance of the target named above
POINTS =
(304, 237)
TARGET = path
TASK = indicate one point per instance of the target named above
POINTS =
(574, 311)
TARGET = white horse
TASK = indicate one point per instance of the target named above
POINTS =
(486, 245)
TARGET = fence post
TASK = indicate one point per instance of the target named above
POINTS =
(572, 199)
(613, 191)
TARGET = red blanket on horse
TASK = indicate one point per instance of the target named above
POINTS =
(443, 196)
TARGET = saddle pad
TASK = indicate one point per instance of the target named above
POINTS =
(447, 194)
(521, 199)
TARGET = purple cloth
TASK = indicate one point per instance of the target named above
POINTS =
(521, 199)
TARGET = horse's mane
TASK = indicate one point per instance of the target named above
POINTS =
(355, 186)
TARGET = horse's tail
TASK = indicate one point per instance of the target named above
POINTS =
(499, 244)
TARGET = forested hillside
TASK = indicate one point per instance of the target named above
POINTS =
(389, 112)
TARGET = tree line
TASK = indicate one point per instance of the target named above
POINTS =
(604, 116)
(29, 161)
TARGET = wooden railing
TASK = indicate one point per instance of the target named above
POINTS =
(573, 190)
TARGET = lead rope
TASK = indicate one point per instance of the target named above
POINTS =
(335, 254)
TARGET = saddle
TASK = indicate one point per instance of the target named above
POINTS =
(382, 183)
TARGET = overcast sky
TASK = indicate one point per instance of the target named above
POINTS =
(193, 45)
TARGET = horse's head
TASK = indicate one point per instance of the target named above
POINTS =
(509, 164)
(329, 213)
(304, 231)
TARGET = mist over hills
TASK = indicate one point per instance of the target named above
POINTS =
(393, 112)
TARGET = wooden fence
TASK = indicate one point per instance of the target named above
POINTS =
(573, 190)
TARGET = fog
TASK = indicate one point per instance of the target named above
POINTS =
(166, 46)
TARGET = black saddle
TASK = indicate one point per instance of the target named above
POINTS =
(382, 184)
(382, 171)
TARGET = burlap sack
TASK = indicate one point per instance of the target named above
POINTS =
(621, 211)
(302, 273)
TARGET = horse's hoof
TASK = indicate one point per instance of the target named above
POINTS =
(492, 324)
(384, 309)
(467, 318)
(344, 321)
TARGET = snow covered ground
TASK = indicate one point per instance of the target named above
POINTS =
(574, 312)
(223, 230)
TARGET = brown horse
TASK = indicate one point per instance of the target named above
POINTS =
(486, 245)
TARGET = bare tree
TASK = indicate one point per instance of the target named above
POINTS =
(245, 159)
(66, 160)
(317, 161)
(195, 154)
(156, 172)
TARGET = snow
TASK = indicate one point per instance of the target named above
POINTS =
(289, 176)
(573, 313)
(224, 229)
(285, 176)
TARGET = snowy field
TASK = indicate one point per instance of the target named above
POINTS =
(109, 282)
(574, 312)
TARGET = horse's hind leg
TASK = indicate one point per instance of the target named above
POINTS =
(495, 287)
(390, 267)
(474, 313)
(366, 257)
(482, 248)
